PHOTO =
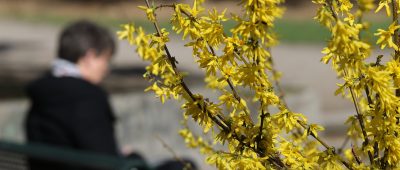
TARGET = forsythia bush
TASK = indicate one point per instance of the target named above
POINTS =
(242, 60)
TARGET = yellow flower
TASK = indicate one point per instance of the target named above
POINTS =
(127, 33)
(149, 13)
(384, 3)
(366, 5)
(319, 2)
(393, 67)
(201, 115)
(385, 37)
(288, 120)
(345, 5)
(330, 161)
(312, 130)
(245, 62)
(325, 17)
(160, 92)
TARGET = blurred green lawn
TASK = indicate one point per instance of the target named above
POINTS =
(288, 31)
(295, 31)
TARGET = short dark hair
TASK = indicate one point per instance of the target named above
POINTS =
(78, 37)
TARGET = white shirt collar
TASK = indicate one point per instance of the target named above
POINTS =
(65, 68)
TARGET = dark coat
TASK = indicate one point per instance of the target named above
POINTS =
(69, 112)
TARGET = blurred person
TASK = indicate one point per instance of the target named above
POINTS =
(68, 108)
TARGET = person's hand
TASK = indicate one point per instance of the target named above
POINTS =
(126, 150)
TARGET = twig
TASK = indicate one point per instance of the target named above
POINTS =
(305, 127)
(262, 117)
(355, 155)
(384, 162)
(396, 57)
(282, 101)
(221, 123)
(276, 160)
(376, 149)
(176, 157)
(367, 93)
(360, 118)
(277, 83)
(347, 165)
(228, 80)
(359, 115)
(330, 6)
(395, 20)
(235, 94)
(340, 150)
(219, 119)
(396, 34)
(163, 6)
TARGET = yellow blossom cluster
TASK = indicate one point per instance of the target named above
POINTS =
(371, 86)
(240, 58)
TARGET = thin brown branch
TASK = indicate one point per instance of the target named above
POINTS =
(341, 149)
(358, 160)
(277, 83)
(383, 161)
(282, 101)
(164, 6)
(228, 80)
(360, 118)
(395, 20)
(275, 160)
(330, 6)
(346, 164)
(396, 34)
(396, 57)
(369, 99)
(240, 57)
(315, 137)
(218, 120)
(235, 93)
(370, 103)
(359, 115)
(176, 157)
(262, 117)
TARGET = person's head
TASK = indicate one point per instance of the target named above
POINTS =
(89, 46)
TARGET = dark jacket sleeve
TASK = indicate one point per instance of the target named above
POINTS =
(94, 129)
